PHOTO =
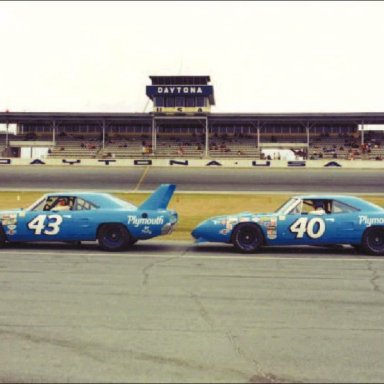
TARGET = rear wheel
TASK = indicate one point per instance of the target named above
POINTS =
(114, 237)
(373, 241)
(247, 238)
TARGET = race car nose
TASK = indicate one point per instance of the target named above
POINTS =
(196, 233)
(200, 230)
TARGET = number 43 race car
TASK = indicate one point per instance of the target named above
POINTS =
(88, 216)
(302, 220)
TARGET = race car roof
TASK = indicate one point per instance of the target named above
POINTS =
(102, 200)
(354, 201)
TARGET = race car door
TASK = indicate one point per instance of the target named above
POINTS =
(302, 225)
(42, 226)
(48, 222)
(84, 219)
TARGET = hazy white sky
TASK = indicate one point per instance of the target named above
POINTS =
(261, 56)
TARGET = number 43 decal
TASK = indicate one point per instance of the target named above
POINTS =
(314, 227)
(51, 228)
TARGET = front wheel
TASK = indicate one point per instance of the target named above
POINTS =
(113, 237)
(373, 241)
(247, 238)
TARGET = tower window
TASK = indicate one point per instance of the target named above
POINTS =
(159, 101)
(190, 101)
(180, 101)
(200, 101)
(170, 101)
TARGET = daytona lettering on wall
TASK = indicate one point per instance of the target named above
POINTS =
(180, 90)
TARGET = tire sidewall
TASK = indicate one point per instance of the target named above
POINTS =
(106, 244)
(251, 248)
(365, 244)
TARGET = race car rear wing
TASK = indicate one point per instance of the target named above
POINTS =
(160, 198)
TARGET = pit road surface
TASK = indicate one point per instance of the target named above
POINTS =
(178, 312)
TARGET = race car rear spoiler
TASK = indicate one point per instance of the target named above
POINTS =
(160, 197)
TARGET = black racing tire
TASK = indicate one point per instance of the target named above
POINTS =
(247, 238)
(373, 241)
(113, 237)
(3, 237)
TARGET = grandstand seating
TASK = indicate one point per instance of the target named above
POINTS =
(235, 147)
(75, 148)
(182, 146)
(122, 147)
(346, 147)
(170, 144)
(3, 142)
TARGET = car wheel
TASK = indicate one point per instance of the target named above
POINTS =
(247, 238)
(113, 237)
(373, 241)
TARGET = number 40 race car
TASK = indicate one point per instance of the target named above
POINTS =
(302, 220)
(90, 216)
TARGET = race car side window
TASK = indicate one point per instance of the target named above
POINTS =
(339, 207)
(83, 205)
(308, 206)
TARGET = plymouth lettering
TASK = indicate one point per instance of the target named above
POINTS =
(368, 221)
(136, 221)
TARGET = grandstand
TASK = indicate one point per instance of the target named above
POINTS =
(181, 125)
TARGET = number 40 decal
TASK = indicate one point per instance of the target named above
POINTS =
(314, 227)
(52, 227)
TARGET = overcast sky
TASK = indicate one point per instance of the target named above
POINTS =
(261, 56)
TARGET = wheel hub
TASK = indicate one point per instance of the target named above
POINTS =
(113, 236)
(247, 238)
(377, 241)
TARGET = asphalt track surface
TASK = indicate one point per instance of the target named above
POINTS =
(178, 312)
(112, 179)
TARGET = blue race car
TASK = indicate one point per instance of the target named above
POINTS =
(302, 220)
(90, 216)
